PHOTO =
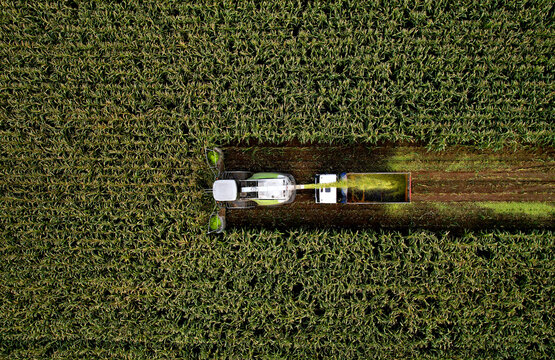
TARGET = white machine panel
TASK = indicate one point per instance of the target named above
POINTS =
(326, 195)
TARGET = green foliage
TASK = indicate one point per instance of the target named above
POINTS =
(467, 159)
(532, 209)
(298, 293)
(436, 72)
(105, 108)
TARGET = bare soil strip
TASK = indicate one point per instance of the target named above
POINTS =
(446, 186)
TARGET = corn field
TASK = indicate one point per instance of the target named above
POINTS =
(106, 107)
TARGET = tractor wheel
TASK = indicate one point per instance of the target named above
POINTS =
(240, 204)
(237, 175)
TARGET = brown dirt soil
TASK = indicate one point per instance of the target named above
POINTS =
(457, 178)
(483, 186)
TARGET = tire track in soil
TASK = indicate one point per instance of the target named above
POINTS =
(523, 176)
(484, 186)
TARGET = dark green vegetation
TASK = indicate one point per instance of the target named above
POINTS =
(105, 109)
(297, 293)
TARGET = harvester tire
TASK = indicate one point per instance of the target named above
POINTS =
(237, 175)
(240, 204)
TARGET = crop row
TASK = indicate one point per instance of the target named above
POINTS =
(282, 293)
(105, 109)
(429, 73)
